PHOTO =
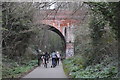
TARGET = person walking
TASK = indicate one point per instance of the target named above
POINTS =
(39, 59)
(58, 58)
(45, 58)
(42, 57)
(54, 56)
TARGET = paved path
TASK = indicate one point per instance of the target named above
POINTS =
(42, 72)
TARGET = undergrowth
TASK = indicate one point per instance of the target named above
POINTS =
(74, 68)
(11, 69)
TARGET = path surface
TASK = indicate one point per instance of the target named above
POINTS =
(42, 72)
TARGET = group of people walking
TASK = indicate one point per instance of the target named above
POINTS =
(44, 59)
(55, 59)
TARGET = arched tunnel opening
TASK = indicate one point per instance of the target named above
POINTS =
(51, 28)
(49, 39)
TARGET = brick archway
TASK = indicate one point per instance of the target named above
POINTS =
(65, 36)
(63, 22)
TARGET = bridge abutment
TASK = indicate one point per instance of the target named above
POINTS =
(69, 41)
(69, 49)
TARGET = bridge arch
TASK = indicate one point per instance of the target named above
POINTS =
(53, 29)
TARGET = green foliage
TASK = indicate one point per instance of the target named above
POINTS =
(102, 39)
(16, 19)
(93, 71)
(13, 69)
(32, 63)
(73, 64)
(110, 12)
